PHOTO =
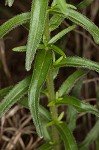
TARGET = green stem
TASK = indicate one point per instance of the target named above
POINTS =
(51, 92)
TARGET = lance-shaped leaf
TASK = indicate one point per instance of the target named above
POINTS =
(84, 22)
(14, 22)
(69, 83)
(23, 48)
(77, 62)
(42, 65)
(9, 2)
(67, 137)
(61, 34)
(78, 104)
(37, 21)
(79, 19)
(14, 95)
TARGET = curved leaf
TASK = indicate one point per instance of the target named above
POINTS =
(78, 19)
(69, 83)
(13, 22)
(67, 137)
(84, 22)
(77, 62)
(37, 21)
(42, 65)
(78, 104)
(14, 95)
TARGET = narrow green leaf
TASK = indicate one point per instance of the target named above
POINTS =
(42, 65)
(84, 22)
(91, 137)
(23, 48)
(61, 34)
(67, 137)
(9, 2)
(79, 19)
(55, 21)
(46, 146)
(14, 95)
(14, 22)
(78, 104)
(78, 62)
(84, 4)
(57, 50)
(69, 83)
(37, 21)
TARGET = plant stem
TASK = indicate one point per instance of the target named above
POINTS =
(53, 109)
(51, 92)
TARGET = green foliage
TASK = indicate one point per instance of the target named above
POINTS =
(40, 22)
(38, 15)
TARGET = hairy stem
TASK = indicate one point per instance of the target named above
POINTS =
(51, 92)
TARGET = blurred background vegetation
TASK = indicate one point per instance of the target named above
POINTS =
(16, 128)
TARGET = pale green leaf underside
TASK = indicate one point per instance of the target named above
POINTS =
(67, 137)
(37, 21)
(42, 65)
(78, 62)
(14, 95)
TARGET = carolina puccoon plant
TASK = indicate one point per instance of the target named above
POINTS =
(42, 49)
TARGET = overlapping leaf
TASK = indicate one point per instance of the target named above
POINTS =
(37, 21)
(42, 65)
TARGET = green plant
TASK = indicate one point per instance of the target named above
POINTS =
(40, 22)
